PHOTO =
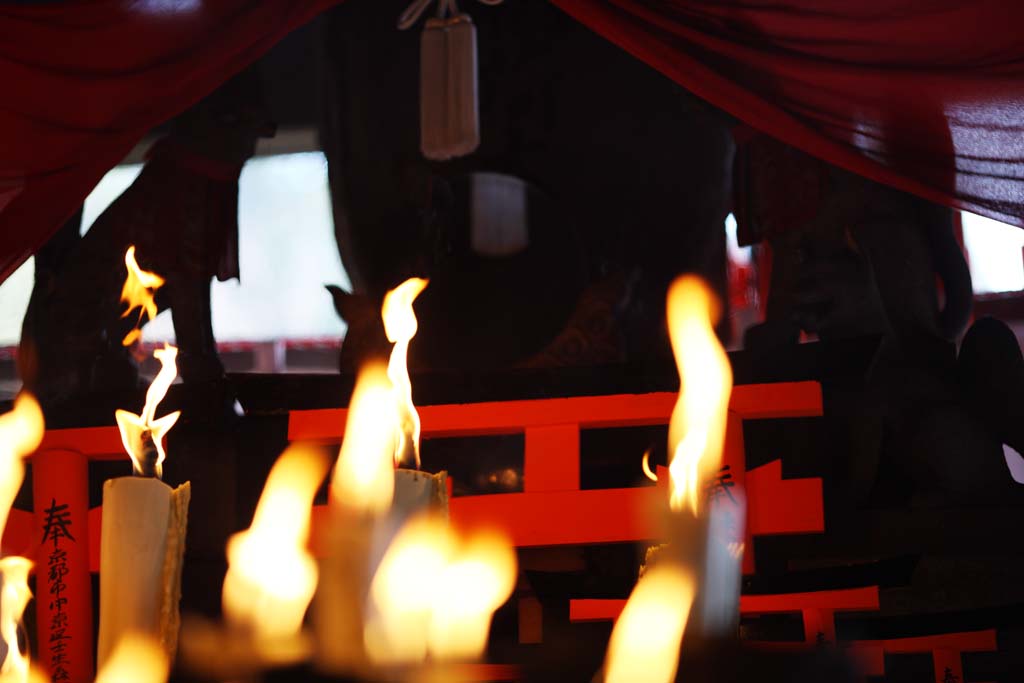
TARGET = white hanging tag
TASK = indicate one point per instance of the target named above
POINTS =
(449, 111)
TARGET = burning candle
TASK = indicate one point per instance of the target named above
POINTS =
(21, 431)
(135, 659)
(699, 543)
(271, 574)
(646, 639)
(477, 581)
(361, 491)
(415, 491)
(371, 499)
(400, 326)
(435, 593)
(702, 555)
(143, 532)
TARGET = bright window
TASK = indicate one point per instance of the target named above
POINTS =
(996, 253)
(287, 254)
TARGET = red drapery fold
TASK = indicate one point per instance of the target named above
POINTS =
(82, 82)
(924, 95)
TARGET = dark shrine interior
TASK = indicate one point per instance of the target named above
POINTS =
(601, 176)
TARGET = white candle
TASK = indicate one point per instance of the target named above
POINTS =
(141, 547)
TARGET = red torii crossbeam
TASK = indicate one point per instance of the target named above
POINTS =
(945, 650)
(551, 464)
(817, 608)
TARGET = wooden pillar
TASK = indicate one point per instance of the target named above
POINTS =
(60, 489)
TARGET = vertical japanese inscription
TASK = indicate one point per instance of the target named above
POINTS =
(57, 531)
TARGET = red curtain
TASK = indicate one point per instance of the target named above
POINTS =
(82, 82)
(924, 95)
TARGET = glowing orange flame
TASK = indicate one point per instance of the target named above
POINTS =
(137, 292)
(135, 659)
(271, 575)
(478, 580)
(396, 630)
(364, 478)
(646, 465)
(469, 578)
(400, 327)
(697, 429)
(21, 430)
(137, 431)
(13, 599)
(647, 636)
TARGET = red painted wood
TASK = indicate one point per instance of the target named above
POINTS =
(777, 400)
(97, 443)
(552, 458)
(845, 599)
(945, 648)
(562, 517)
(17, 538)
(63, 588)
(485, 673)
(750, 401)
(838, 600)
(783, 506)
(965, 641)
(947, 666)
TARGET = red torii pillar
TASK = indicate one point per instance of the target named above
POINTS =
(62, 536)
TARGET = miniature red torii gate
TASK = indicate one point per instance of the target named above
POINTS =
(60, 493)
(60, 479)
(551, 465)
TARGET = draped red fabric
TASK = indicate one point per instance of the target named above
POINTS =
(82, 82)
(924, 95)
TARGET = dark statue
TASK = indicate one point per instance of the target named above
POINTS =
(181, 213)
(627, 177)
(852, 258)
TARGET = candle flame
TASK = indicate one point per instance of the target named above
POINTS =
(364, 477)
(135, 659)
(21, 431)
(14, 598)
(137, 430)
(396, 630)
(697, 428)
(271, 575)
(648, 634)
(435, 593)
(137, 292)
(646, 465)
(478, 580)
(400, 327)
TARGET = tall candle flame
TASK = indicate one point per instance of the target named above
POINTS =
(478, 580)
(697, 428)
(135, 659)
(21, 431)
(271, 575)
(14, 598)
(400, 327)
(401, 603)
(137, 292)
(139, 431)
(648, 634)
(469, 578)
(364, 478)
